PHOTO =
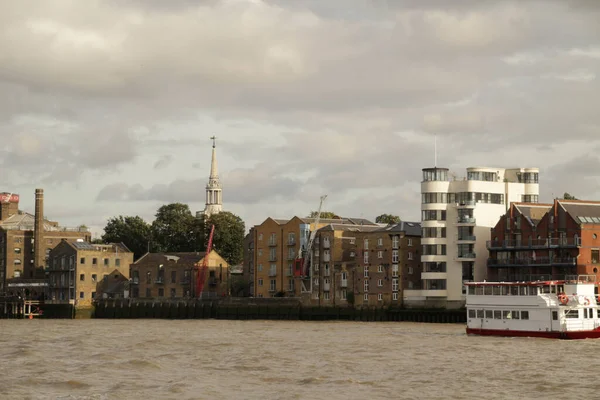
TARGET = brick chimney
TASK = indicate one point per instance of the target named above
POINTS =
(9, 205)
(38, 231)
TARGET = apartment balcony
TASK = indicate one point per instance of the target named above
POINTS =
(533, 244)
(465, 221)
(466, 204)
(344, 283)
(467, 256)
(273, 272)
(466, 238)
(535, 262)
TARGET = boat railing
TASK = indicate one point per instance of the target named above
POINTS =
(580, 278)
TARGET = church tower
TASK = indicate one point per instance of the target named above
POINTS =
(214, 190)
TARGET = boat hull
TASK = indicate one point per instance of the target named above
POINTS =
(593, 334)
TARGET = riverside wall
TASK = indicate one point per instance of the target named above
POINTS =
(265, 309)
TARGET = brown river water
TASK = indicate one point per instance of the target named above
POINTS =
(214, 359)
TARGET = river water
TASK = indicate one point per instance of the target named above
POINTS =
(214, 359)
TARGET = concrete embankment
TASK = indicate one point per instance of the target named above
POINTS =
(267, 309)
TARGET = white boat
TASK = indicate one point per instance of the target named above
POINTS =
(560, 309)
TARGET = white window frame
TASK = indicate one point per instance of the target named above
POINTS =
(395, 296)
(380, 282)
(380, 242)
(366, 272)
(380, 268)
(344, 294)
(394, 256)
(365, 286)
(395, 241)
(394, 285)
(410, 270)
(366, 257)
(409, 242)
(394, 270)
(380, 254)
(410, 255)
(379, 296)
(326, 296)
(366, 244)
(366, 297)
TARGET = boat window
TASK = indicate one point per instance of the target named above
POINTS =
(560, 289)
(506, 315)
(553, 289)
(479, 290)
(489, 314)
(497, 314)
(471, 289)
(523, 290)
(515, 314)
(479, 313)
(572, 313)
(514, 290)
(590, 313)
(524, 314)
(533, 290)
(545, 289)
(555, 315)
(505, 290)
(496, 290)
(488, 290)
(472, 314)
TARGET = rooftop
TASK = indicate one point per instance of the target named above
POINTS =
(24, 221)
(534, 212)
(177, 257)
(584, 212)
(111, 248)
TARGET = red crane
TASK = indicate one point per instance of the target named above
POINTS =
(201, 277)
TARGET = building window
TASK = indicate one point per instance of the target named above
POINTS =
(395, 242)
(366, 297)
(82, 260)
(395, 270)
(380, 268)
(259, 267)
(81, 295)
(17, 250)
(326, 295)
(380, 282)
(410, 255)
(93, 295)
(161, 292)
(260, 282)
(366, 286)
(291, 285)
(94, 261)
(380, 242)
(394, 256)
(380, 254)
(106, 261)
(366, 273)
(82, 277)
(366, 257)
(595, 256)
(260, 236)
(366, 244)
(395, 296)
(148, 277)
(291, 238)
(117, 262)
(291, 253)
(273, 285)
(173, 277)
(148, 292)
(17, 261)
(409, 241)
(94, 278)
(379, 297)
(173, 292)
(344, 276)
(394, 285)
(410, 270)
(344, 294)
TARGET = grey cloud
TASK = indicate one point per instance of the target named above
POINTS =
(163, 162)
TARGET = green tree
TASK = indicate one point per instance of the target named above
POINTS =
(387, 219)
(324, 215)
(176, 229)
(567, 196)
(229, 235)
(134, 232)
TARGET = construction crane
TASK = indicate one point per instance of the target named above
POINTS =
(308, 254)
(201, 277)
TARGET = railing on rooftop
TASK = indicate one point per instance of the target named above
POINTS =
(533, 243)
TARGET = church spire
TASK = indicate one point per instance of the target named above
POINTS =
(214, 194)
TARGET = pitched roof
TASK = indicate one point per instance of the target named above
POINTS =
(584, 212)
(534, 212)
(111, 247)
(409, 228)
(25, 222)
(178, 257)
(338, 221)
(349, 228)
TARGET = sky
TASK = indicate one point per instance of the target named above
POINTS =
(109, 105)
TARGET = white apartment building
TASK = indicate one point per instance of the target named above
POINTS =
(457, 215)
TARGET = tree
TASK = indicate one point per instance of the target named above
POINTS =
(324, 215)
(176, 229)
(229, 235)
(134, 232)
(387, 219)
(567, 196)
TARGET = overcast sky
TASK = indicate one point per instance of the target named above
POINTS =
(109, 105)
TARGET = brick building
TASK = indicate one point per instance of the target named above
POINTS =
(173, 275)
(375, 263)
(79, 272)
(545, 241)
(277, 244)
(26, 239)
(248, 262)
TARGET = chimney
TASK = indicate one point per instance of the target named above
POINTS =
(38, 231)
